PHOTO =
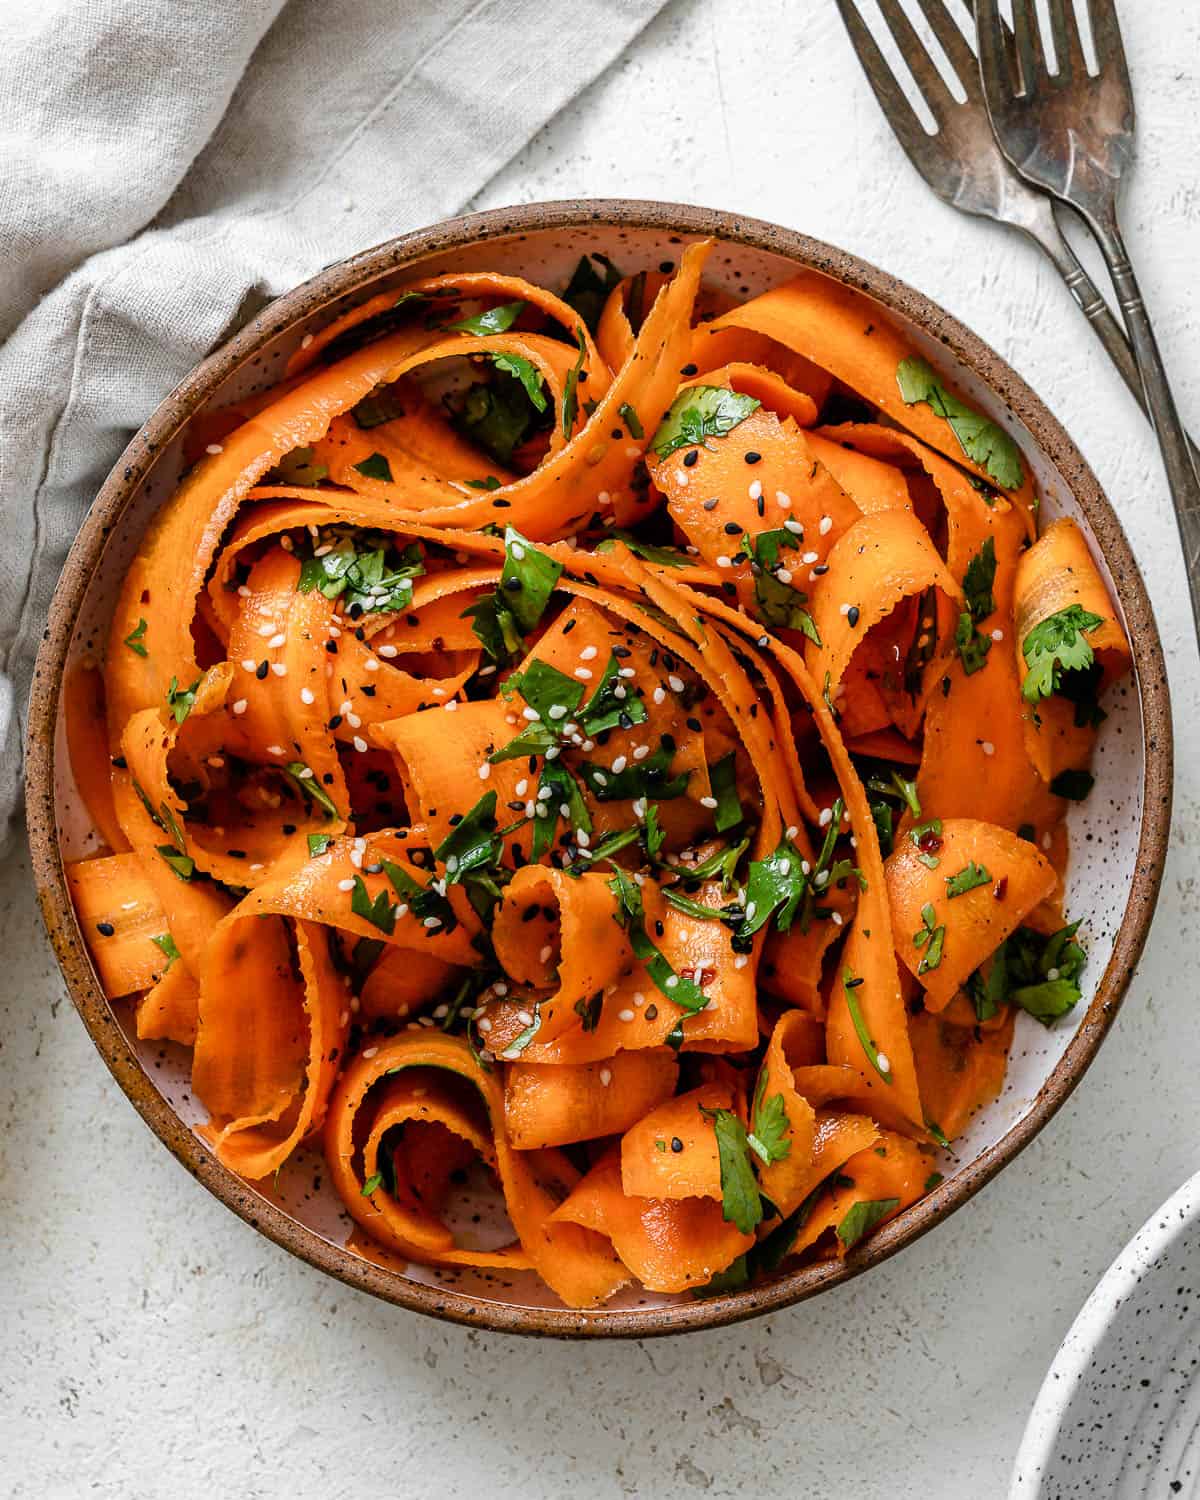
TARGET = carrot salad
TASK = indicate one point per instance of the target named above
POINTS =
(615, 741)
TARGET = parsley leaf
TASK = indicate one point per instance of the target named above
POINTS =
(527, 580)
(779, 604)
(570, 400)
(979, 579)
(136, 639)
(494, 320)
(774, 888)
(355, 568)
(981, 440)
(167, 943)
(741, 1202)
(496, 416)
(931, 938)
(587, 291)
(472, 843)
(968, 878)
(770, 1129)
(375, 466)
(862, 1218)
(181, 700)
(380, 912)
(302, 777)
(527, 373)
(700, 412)
(722, 777)
(1054, 646)
(559, 795)
(631, 915)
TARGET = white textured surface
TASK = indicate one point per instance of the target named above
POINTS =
(153, 1345)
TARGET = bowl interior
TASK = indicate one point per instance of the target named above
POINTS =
(1105, 830)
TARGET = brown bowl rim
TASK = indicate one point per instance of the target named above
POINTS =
(136, 462)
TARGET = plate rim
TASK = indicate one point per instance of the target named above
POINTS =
(327, 286)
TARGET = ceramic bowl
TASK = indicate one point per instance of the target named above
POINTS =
(1118, 1414)
(1118, 835)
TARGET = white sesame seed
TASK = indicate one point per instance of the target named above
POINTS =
(359, 743)
(619, 765)
(553, 752)
(531, 714)
(588, 653)
(639, 807)
(510, 1054)
(826, 525)
(371, 664)
(485, 771)
(605, 1077)
(274, 749)
(671, 981)
(1046, 841)
(885, 1065)
(756, 489)
(659, 695)
(518, 553)
(557, 710)
(522, 786)
(334, 633)
(582, 839)
(624, 1015)
(243, 591)
(783, 500)
(583, 674)
(741, 961)
(603, 498)
(675, 683)
(215, 448)
(306, 340)
(388, 651)
(811, 557)
(826, 817)
(431, 922)
(484, 1024)
(1052, 974)
(451, 706)
(279, 668)
(305, 773)
(525, 1018)
(997, 635)
(708, 802)
(640, 752)
(240, 706)
(724, 562)
(345, 885)
(354, 721)
(626, 673)
(277, 640)
(265, 630)
(784, 575)
(794, 526)
(600, 778)
(843, 609)
(356, 858)
(681, 478)
(307, 695)
(987, 747)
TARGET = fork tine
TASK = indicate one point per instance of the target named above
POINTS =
(898, 111)
(1106, 36)
(1068, 49)
(952, 42)
(997, 55)
(1027, 44)
(918, 61)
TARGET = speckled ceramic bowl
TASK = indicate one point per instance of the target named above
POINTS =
(1118, 834)
(1118, 1414)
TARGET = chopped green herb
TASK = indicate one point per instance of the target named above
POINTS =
(932, 1181)
(700, 412)
(490, 482)
(981, 440)
(862, 1218)
(375, 466)
(588, 1011)
(472, 843)
(587, 291)
(770, 1131)
(494, 320)
(306, 782)
(181, 700)
(778, 603)
(632, 422)
(665, 557)
(1054, 646)
(631, 915)
(741, 1202)
(570, 400)
(299, 468)
(136, 639)
(968, 878)
(641, 778)
(372, 1184)
(167, 943)
(931, 938)
(980, 575)
(496, 416)
(375, 578)
(527, 373)
(182, 865)
(527, 580)
(881, 1064)
(382, 405)
(380, 912)
(318, 843)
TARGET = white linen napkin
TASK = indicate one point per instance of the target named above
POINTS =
(165, 162)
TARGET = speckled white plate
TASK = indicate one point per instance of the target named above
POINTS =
(1118, 1415)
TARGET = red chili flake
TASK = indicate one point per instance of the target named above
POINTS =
(1000, 888)
(701, 977)
(930, 842)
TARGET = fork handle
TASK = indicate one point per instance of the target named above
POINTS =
(1098, 313)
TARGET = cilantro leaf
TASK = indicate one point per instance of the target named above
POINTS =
(380, 912)
(587, 291)
(375, 466)
(981, 440)
(778, 603)
(494, 320)
(665, 557)
(741, 1203)
(862, 1218)
(722, 777)
(298, 467)
(631, 915)
(527, 580)
(527, 373)
(968, 878)
(1054, 646)
(167, 943)
(978, 581)
(570, 400)
(931, 938)
(496, 416)
(700, 412)
(472, 843)
(181, 700)
(559, 795)
(770, 1129)
(774, 888)
(354, 567)
(136, 639)
(303, 778)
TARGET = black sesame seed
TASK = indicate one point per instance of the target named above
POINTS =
(690, 370)
(852, 614)
(652, 1012)
(569, 626)
(105, 929)
(676, 1144)
(732, 528)
(261, 670)
(690, 457)
(751, 457)
(713, 503)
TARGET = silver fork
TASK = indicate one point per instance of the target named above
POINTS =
(962, 162)
(1070, 134)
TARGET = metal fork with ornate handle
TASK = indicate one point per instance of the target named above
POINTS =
(962, 161)
(1070, 133)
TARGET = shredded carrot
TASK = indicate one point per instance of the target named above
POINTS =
(554, 751)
